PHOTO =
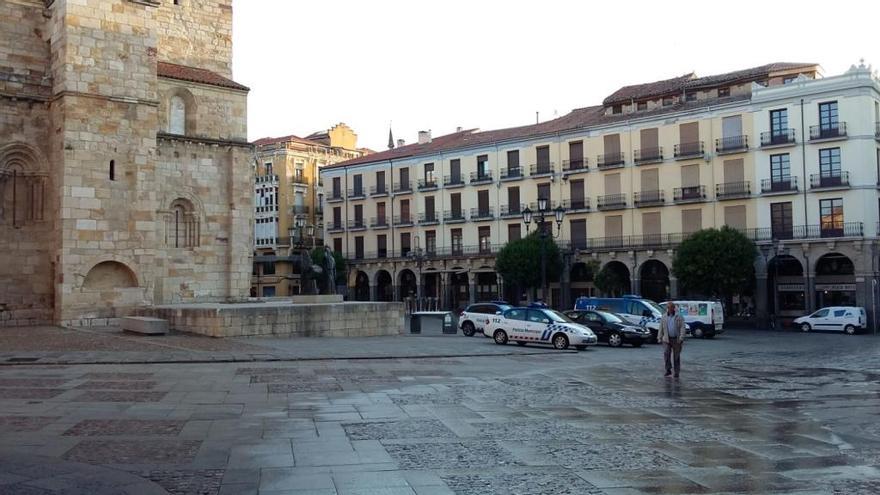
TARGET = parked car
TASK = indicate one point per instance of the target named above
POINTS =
(475, 317)
(705, 318)
(849, 319)
(611, 328)
(634, 309)
(539, 326)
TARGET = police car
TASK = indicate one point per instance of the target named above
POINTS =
(538, 326)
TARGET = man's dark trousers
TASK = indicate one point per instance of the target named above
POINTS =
(672, 356)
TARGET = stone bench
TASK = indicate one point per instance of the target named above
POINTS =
(145, 325)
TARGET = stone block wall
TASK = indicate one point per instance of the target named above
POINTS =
(218, 113)
(196, 33)
(24, 51)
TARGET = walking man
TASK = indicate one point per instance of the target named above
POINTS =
(672, 337)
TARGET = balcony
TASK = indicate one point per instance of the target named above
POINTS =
(512, 210)
(357, 224)
(356, 193)
(538, 169)
(733, 190)
(478, 214)
(645, 199)
(610, 160)
(299, 180)
(379, 190)
(576, 205)
(551, 205)
(402, 187)
(427, 184)
(511, 173)
(455, 216)
(403, 220)
(691, 194)
(334, 197)
(264, 179)
(784, 185)
(829, 230)
(684, 151)
(379, 222)
(481, 177)
(267, 208)
(611, 202)
(451, 181)
(778, 138)
(335, 226)
(828, 132)
(832, 180)
(429, 218)
(645, 156)
(300, 209)
(574, 166)
(731, 144)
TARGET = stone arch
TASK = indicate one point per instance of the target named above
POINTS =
(384, 286)
(23, 185)
(181, 222)
(361, 286)
(786, 286)
(654, 280)
(181, 112)
(620, 278)
(834, 264)
(835, 280)
(407, 283)
(110, 275)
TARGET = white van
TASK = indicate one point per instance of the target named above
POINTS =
(706, 318)
(849, 319)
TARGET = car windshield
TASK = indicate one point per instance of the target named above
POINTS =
(557, 316)
(611, 317)
(656, 306)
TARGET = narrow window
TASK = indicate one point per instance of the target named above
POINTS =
(112, 169)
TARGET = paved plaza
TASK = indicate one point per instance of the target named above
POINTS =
(754, 412)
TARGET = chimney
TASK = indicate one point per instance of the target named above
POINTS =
(425, 137)
(458, 129)
(400, 142)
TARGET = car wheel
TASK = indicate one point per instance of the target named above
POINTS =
(615, 340)
(580, 347)
(637, 344)
(698, 332)
(805, 327)
(849, 329)
(520, 342)
(468, 329)
(500, 337)
(560, 341)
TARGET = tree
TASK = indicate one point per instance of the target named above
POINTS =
(610, 281)
(715, 262)
(341, 271)
(519, 262)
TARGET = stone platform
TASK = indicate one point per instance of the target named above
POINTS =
(282, 318)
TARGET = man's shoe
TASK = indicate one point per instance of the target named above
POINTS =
(668, 374)
(676, 375)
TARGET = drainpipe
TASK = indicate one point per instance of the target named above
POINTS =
(808, 291)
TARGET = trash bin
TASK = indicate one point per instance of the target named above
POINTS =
(433, 323)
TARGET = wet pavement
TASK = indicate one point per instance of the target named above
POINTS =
(754, 412)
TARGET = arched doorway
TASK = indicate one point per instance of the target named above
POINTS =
(785, 286)
(362, 287)
(581, 277)
(614, 279)
(654, 281)
(835, 281)
(109, 275)
(487, 286)
(384, 286)
(461, 294)
(432, 284)
(406, 281)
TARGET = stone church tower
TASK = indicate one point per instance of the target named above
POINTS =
(125, 172)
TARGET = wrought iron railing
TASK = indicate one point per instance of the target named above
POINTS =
(778, 137)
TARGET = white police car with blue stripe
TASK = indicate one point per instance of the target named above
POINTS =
(539, 326)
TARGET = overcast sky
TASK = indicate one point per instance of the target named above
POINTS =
(493, 64)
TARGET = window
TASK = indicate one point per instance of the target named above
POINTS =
(358, 185)
(380, 182)
(456, 242)
(298, 176)
(516, 314)
(269, 291)
(839, 313)
(615, 109)
(381, 219)
(405, 243)
(578, 229)
(828, 116)
(337, 245)
(337, 187)
(429, 174)
(359, 215)
(182, 225)
(690, 97)
(430, 210)
(514, 232)
(455, 204)
(576, 155)
(829, 162)
(483, 166)
(512, 162)
(780, 168)
(337, 217)
(831, 216)
(431, 241)
(513, 204)
(483, 203)
(404, 179)
(538, 316)
(667, 101)
(723, 92)
(404, 211)
(789, 79)
(269, 268)
(112, 170)
(455, 171)
(778, 123)
(381, 246)
(543, 154)
(544, 193)
(177, 116)
(359, 248)
(484, 235)
(642, 106)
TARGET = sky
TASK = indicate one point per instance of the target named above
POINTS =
(489, 64)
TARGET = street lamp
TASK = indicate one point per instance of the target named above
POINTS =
(419, 256)
(542, 225)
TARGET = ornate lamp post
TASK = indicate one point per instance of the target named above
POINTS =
(543, 226)
(419, 256)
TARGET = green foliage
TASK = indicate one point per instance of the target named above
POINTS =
(611, 282)
(341, 271)
(715, 262)
(519, 262)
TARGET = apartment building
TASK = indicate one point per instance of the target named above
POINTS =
(779, 152)
(288, 202)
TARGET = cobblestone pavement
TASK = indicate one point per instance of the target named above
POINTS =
(754, 412)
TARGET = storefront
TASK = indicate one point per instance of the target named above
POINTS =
(835, 295)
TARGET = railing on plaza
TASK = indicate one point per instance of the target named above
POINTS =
(449, 180)
(482, 213)
(785, 184)
(427, 183)
(450, 216)
(576, 204)
(357, 224)
(356, 193)
(610, 160)
(478, 177)
(689, 194)
(611, 202)
(335, 196)
(829, 179)
(403, 219)
(335, 226)
(379, 222)
(688, 150)
(731, 144)
(511, 210)
(378, 190)
(778, 137)
(542, 168)
(828, 131)
(579, 165)
(511, 173)
(728, 190)
(428, 218)
(403, 187)
(648, 198)
(648, 155)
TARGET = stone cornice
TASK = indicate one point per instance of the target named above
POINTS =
(202, 140)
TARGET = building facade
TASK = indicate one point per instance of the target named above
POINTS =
(125, 171)
(288, 193)
(777, 151)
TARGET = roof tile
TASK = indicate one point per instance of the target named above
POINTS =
(193, 74)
